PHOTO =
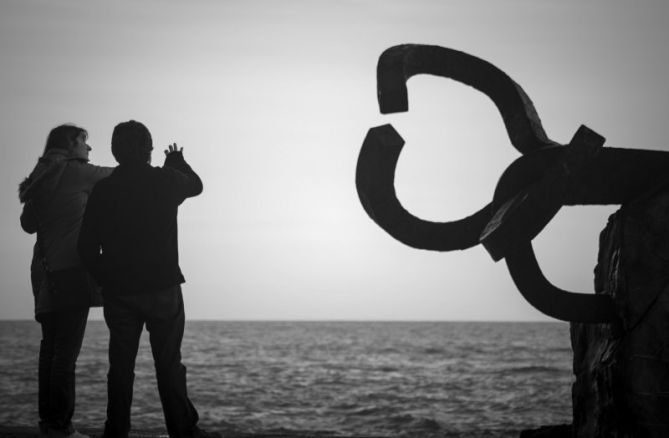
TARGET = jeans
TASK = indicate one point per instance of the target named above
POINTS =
(62, 335)
(163, 313)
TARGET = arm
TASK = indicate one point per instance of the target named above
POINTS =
(29, 218)
(185, 182)
(89, 242)
(92, 174)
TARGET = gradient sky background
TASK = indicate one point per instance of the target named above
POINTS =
(271, 101)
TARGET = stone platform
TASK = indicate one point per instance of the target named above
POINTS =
(33, 432)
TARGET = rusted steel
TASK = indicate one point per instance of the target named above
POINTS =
(375, 181)
(530, 191)
(533, 189)
(551, 300)
(397, 64)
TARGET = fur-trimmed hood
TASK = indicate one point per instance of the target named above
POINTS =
(46, 174)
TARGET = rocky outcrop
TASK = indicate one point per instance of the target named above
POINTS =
(622, 373)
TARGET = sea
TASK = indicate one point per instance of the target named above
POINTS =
(391, 379)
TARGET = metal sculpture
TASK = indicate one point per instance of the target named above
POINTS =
(529, 192)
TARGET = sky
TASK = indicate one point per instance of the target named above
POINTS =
(271, 101)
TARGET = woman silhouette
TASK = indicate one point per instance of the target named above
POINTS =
(54, 197)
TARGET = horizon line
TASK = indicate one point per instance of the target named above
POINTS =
(335, 320)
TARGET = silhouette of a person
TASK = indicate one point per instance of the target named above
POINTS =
(128, 241)
(54, 197)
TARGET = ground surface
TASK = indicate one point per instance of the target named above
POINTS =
(27, 432)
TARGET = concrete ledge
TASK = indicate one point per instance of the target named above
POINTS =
(33, 432)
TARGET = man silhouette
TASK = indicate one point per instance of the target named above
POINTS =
(128, 241)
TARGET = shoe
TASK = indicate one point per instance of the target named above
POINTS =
(109, 431)
(77, 434)
(199, 433)
(55, 434)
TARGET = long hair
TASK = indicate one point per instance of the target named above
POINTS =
(62, 137)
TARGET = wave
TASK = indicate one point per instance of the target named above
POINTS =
(534, 369)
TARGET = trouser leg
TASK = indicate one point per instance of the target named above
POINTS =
(165, 323)
(44, 370)
(125, 328)
(67, 333)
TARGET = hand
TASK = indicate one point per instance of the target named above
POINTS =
(172, 148)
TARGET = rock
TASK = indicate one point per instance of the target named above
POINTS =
(622, 375)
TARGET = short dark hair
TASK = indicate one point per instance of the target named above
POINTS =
(131, 142)
(62, 137)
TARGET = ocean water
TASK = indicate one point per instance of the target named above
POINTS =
(404, 379)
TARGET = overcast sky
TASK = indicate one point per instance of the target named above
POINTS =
(271, 101)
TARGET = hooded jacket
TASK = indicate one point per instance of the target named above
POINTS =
(54, 197)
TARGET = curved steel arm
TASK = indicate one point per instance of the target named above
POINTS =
(397, 64)
(555, 302)
(375, 181)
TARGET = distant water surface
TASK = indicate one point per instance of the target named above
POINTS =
(429, 379)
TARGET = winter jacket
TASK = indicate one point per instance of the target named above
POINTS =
(54, 197)
(128, 238)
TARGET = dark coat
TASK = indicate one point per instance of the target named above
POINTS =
(54, 196)
(128, 238)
